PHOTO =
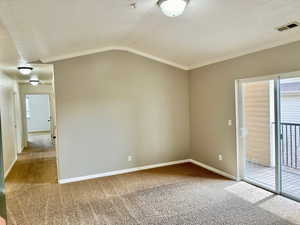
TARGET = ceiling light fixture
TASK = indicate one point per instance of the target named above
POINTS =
(25, 70)
(172, 8)
(133, 5)
(34, 82)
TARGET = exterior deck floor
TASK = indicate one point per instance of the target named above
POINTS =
(266, 176)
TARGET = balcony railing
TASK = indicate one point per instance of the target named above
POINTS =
(290, 145)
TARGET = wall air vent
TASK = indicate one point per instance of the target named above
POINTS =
(288, 26)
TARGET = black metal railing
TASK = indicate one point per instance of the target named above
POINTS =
(290, 145)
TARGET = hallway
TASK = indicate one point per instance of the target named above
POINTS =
(39, 147)
(35, 166)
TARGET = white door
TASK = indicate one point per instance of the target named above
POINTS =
(15, 124)
(52, 120)
(38, 113)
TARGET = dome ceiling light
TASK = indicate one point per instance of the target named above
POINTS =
(172, 8)
(34, 82)
(25, 70)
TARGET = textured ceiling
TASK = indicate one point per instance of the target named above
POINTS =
(43, 72)
(10, 59)
(8, 52)
(208, 31)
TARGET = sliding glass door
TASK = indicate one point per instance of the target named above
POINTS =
(269, 133)
(290, 136)
(258, 131)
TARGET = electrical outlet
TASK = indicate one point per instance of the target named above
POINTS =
(129, 158)
(220, 157)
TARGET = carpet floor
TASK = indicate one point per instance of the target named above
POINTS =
(39, 147)
(182, 194)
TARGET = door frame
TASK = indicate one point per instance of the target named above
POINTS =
(17, 129)
(239, 137)
(52, 113)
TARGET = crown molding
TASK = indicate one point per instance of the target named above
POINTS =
(170, 63)
(119, 48)
(246, 52)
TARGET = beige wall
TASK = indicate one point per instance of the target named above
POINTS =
(212, 95)
(9, 119)
(115, 104)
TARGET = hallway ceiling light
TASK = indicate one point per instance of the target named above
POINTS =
(34, 82)
(172, 8)
(25, 70)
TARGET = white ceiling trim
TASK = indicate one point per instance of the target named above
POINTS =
(99, 50)
(137, 52)
(246, 52)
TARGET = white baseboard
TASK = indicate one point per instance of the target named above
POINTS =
(130, 170)
(212, 169)
(21, 149)
(10, 167)
(117, 172)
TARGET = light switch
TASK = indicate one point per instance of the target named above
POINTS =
(230, 123)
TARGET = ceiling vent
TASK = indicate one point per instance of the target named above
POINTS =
(288, 26)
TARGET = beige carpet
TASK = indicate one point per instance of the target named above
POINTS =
(39, 147)
(181, 194)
